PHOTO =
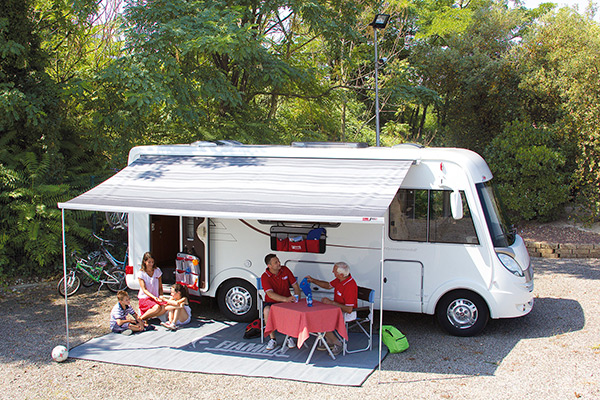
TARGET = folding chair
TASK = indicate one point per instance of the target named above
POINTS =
(364, 314)
(260, 299)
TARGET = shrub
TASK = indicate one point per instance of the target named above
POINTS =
(531, 171)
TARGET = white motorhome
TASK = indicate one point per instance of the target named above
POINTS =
(428, 213)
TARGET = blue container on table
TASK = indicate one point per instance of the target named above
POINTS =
(305, 286)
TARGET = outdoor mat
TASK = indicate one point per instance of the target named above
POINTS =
(217, 347)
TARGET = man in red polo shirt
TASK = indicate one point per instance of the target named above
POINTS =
(276, 282)
(345, 297)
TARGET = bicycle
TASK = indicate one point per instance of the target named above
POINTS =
(91, 273)
(117, 220)
(104, 254)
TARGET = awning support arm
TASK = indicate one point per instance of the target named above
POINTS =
(65, 277)
(381, 294)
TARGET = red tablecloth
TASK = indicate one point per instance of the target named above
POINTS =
(299, 320)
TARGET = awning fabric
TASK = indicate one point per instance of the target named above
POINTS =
(268, 188)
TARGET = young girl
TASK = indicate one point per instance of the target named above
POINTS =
(178, 307)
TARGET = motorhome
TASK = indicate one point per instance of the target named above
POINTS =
(421, 226)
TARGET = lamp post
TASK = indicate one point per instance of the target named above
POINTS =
(379, 22)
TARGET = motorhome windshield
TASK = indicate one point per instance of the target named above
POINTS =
(501, 234)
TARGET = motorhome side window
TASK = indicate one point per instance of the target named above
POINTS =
(425, 216)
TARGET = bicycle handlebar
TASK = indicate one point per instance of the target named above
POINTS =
(105, 241)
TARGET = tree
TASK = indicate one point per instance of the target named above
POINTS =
(469, 69)
(559, 61)
(531, 172)
(40, 149)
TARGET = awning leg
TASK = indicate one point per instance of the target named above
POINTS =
(65, 277)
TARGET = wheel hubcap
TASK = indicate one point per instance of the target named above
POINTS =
(462, 313)
(238, 300)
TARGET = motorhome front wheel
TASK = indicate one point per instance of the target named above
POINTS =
(237, 300)
(462, 313)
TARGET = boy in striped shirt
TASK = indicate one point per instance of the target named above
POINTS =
(123, 319)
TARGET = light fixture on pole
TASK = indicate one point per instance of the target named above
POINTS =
(379, 22)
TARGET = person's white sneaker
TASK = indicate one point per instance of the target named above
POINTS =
(290, 343)
(272, 344)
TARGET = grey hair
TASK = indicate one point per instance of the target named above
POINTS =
(342, 268)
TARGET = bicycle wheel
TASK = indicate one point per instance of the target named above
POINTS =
(124, 217)
(73, 283)
(86, 281)
(116, 280)
(117, 220)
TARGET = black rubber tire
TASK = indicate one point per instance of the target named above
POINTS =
(462, 313)
(104, 261)
(86, 281)
(121, 277)
(73, 283)
(237, 300)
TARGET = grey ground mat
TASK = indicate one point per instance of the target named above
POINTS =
(218, 347)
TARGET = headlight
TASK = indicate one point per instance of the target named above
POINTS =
(510, 264)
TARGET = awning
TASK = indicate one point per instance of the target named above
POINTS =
(267, 188)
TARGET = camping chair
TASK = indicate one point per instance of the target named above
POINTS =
(260, 299)
(364, 314)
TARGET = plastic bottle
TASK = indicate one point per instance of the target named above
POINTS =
(309, 300)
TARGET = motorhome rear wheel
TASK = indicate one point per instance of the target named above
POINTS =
(237, 300)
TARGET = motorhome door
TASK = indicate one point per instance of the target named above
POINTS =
(195, 242)
(163, 244)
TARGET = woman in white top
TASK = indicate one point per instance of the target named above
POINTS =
(150, 295)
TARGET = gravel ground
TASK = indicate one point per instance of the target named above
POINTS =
(553, 353)
(560, 232)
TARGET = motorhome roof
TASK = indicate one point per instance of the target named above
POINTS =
(467, 159)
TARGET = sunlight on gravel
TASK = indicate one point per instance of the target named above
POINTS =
(552, 353)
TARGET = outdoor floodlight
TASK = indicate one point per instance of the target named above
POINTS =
(380, 21)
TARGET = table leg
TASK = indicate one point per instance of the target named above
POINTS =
(284, 347)
(320, 338)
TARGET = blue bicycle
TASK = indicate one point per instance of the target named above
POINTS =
(104, 257)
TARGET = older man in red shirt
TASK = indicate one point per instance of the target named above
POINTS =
(276, 282)
(345, 297)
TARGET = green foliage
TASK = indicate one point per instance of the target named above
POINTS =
(559, 71)
(43, 159)
(477, 83)
(81, 84)
(530, 171)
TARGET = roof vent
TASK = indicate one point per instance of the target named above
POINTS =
(331, 144)
(202, 143)
(416, 145)
(228, 143)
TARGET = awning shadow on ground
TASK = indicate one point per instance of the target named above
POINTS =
(218, 347)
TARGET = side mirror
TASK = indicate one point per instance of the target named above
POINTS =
(456, 205)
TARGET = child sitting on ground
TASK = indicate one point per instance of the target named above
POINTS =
(178, 307)
(123, 319)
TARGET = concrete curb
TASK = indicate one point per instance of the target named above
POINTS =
(562, 250)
